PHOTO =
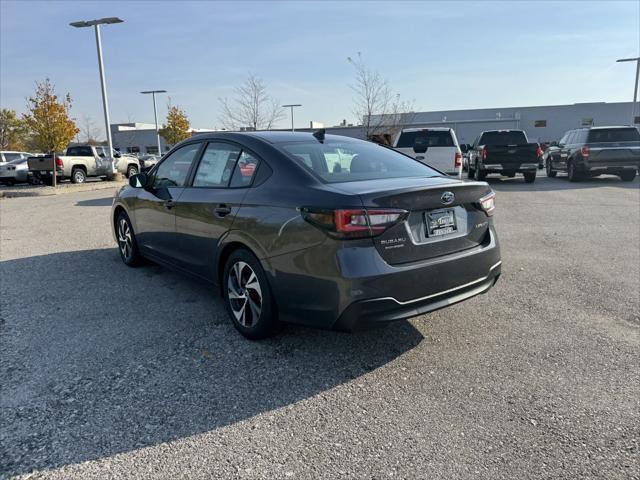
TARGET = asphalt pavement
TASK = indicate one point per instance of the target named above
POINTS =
(113, 372)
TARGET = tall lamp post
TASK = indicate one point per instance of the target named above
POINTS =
(635, 88)
(292, 106)
(103, 83)
(155, 113)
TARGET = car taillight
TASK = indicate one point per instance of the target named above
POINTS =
(584, 151)
(353, 223)
(59, 162)
(458, 163)
(539, 152)
(483, 152)
(488, 203)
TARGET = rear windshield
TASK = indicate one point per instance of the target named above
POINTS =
(503, 138)
(335, 161)
(602, 135)
(432, 138)
(10, 157)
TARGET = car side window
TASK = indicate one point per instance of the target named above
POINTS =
(564, 139)
(216, 166)
(245, 170)
(173, 171)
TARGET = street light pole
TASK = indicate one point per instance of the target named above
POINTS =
(635, 87)
(155, 114)
(103, 83)
(292, 106)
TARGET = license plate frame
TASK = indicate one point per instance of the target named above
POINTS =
(440, 223)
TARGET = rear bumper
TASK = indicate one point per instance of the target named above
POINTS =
(505, 167)
(349, 288)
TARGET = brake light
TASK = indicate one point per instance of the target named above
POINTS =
(584, 151)
(539, 151)
(458, 163)
(483, 153)
(59, 162)
(488, 203)
(353, 223)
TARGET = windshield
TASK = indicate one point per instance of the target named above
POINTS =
(503, 138)
(431, 138)
(603, 135)
(335, 161)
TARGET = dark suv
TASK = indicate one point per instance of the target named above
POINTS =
(589, 152)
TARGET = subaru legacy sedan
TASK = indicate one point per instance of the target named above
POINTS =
(314, 229)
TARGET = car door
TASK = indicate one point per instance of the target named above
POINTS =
(208, 206)
(154, 207)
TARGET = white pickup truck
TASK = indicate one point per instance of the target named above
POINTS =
(80, 162)
(435, 146)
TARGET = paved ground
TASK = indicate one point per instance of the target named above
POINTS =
(114, 372)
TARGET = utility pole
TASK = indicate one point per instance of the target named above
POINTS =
(292, 106)
(155, 114)
(635, 87)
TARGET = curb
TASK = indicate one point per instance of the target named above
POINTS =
(44, 191)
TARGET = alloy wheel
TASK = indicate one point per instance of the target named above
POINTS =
(125, 241)
(245, 294)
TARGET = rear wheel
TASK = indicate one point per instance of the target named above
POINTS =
(470, 172)
(529, 177)
(628, 176)
(480, 174)
(78, 176)
(131, 171)
(551, 173)
(572, 173)
(248, 296)
(127, 244)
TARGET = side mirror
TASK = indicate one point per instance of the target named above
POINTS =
(464, 148)
(420, 145)
(139, 180)
(101, 155)
(117, 154)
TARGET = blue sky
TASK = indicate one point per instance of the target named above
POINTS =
(441, 55)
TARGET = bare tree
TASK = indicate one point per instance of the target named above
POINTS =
(381, 112)
(90, 132)
(251, 107)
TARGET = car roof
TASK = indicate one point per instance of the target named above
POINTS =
(602, 127)
(421, 129)
(503, 130)
(271, 136)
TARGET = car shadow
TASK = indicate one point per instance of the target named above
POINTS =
(544, 183)
(99, 358)
(96, 202)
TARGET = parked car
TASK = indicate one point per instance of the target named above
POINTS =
(290, 237)
(80, 162)
(15, 171)
(437, 147)
(589, 152)
(8, 156)
(148, 161)
(506, 152)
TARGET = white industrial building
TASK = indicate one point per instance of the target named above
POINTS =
(542, 124)
(140, 138)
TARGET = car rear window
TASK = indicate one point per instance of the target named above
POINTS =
(602, 135)
(335, 161)
(10, 157)
(507, 137)
(432, 138)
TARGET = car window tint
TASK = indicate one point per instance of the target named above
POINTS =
(604, 135)
(173, 171)
(216, 165)
(563, 140)
(245, 170)
(503, 137)
(344, 161)
(432, 138)
(10, 157)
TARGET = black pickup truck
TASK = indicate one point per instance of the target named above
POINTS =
(589, 152)
(506, 152)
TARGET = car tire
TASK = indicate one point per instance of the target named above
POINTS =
(529, 177)
(479, 175)
(470, 173)
(127, 244)
(551, 173)
(131, 171)
(628, 176)
(247, 296)
(78, 175)
(572, 173)
(510, 174)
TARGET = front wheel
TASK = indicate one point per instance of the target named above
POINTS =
(127, 244)
(248, 296)
(628, 176)
(529, 177)
(479, 174)
(131, 171)
(551, 173)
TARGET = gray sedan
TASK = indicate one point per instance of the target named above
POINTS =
(15, 171)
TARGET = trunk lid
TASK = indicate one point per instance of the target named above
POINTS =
(436, 225)
(511, 155)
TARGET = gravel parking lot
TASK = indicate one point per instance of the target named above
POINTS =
(112, 372)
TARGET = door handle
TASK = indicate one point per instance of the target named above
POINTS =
(222, 210)
(169, 204)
